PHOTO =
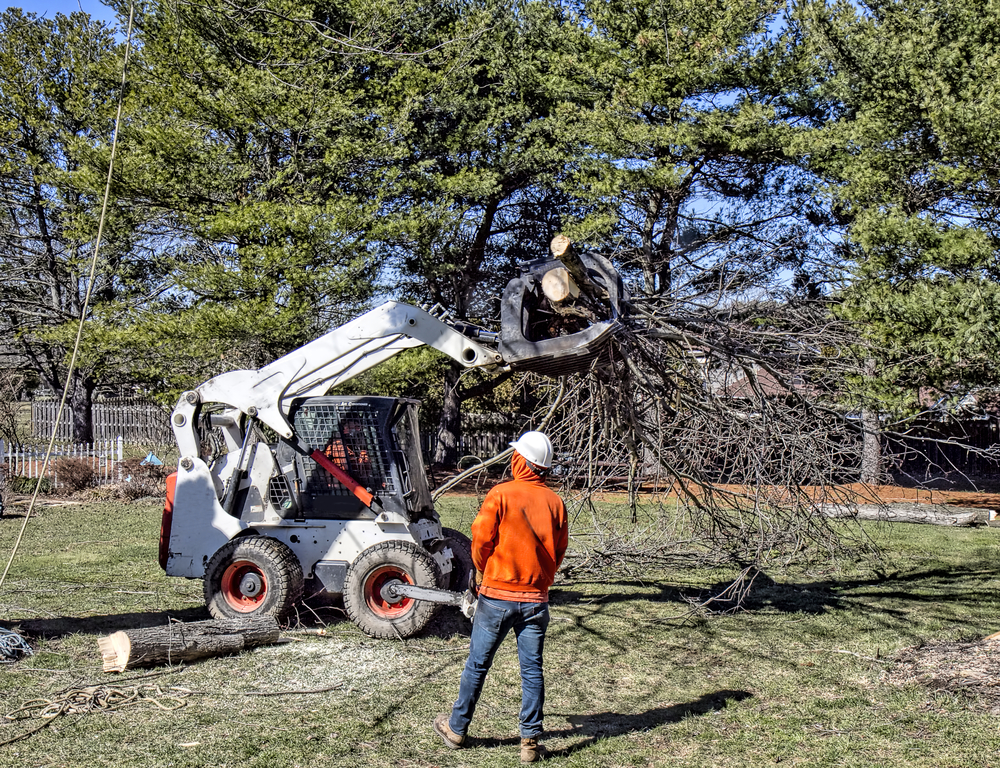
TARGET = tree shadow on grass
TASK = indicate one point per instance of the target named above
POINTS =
(325, 611)
(305, 617)
(951, 586)
(954, 585)
(59, 626)
(593, 727)
(762, 593)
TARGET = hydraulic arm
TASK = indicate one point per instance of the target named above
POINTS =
(296, 486)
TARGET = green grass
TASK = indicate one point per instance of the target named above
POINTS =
(801, 677)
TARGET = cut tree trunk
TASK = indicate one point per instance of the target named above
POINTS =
(932, 514)
(562, 249)
(558, 286)
(177, 642)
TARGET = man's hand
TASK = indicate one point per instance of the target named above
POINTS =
(475, 581)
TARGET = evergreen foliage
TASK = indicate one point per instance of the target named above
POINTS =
(57, 107)
(285, 163)
(911, 157)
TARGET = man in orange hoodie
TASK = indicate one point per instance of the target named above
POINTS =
(519, 538)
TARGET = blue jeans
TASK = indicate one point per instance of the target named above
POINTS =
(494, 619)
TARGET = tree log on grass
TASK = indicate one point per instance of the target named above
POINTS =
(931, 514)
(177, 642)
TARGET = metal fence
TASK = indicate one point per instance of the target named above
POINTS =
(961, 453)
(104, 456)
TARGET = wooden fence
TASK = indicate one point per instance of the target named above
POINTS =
(481, 445)
(138, 422)
(104, 456)
(957, 454)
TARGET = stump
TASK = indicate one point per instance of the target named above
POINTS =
(176, 642)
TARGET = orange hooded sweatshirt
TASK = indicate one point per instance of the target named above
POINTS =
(519, 537)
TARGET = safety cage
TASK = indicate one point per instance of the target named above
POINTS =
(374, 439)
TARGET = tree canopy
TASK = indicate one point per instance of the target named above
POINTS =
(57, 107)
(284, 163)
(910, 158)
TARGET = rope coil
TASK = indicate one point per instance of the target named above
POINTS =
(95, 698)
(13, 647)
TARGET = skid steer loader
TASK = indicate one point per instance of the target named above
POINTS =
(280, 486)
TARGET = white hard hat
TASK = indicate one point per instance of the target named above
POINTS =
(535, 447)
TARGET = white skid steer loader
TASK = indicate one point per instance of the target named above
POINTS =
(307, 487)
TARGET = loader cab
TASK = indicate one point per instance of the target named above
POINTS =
(376, 440)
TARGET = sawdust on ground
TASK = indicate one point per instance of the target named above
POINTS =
(970, 670)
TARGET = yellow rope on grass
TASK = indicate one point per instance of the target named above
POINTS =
(93, 698)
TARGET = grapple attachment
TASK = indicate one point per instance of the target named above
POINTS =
(556, 320)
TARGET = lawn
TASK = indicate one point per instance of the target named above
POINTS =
(860, 664)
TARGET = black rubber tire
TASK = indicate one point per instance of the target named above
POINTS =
(373, 568)
(462, 566)
(271, 563)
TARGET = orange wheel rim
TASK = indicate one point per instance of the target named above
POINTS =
(373, 592)
(244, 586)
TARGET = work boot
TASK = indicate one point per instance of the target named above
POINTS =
(451, 739)
(531, 750)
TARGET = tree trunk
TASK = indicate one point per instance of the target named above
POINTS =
(871, 447)
(931, 514)
(81, 401)
(173, 643)
(450, 426)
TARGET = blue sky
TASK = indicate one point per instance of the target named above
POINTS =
(49, 8)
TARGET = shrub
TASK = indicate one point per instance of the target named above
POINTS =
(75, 474)
(26, 485)
(128, 490)
(140, 488)
(136, 470)
(108, 492)
(139, 480)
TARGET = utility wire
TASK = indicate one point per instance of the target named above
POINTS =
(86, 300)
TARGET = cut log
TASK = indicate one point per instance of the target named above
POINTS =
(560, 246)
(178, 642)
(562, 249)
(931, 514)
(558, 285)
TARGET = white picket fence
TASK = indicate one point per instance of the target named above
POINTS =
(105, 457)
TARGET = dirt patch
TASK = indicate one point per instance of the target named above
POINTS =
(22, 502)
(870, 494)
(971, 670)
(857, 493)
